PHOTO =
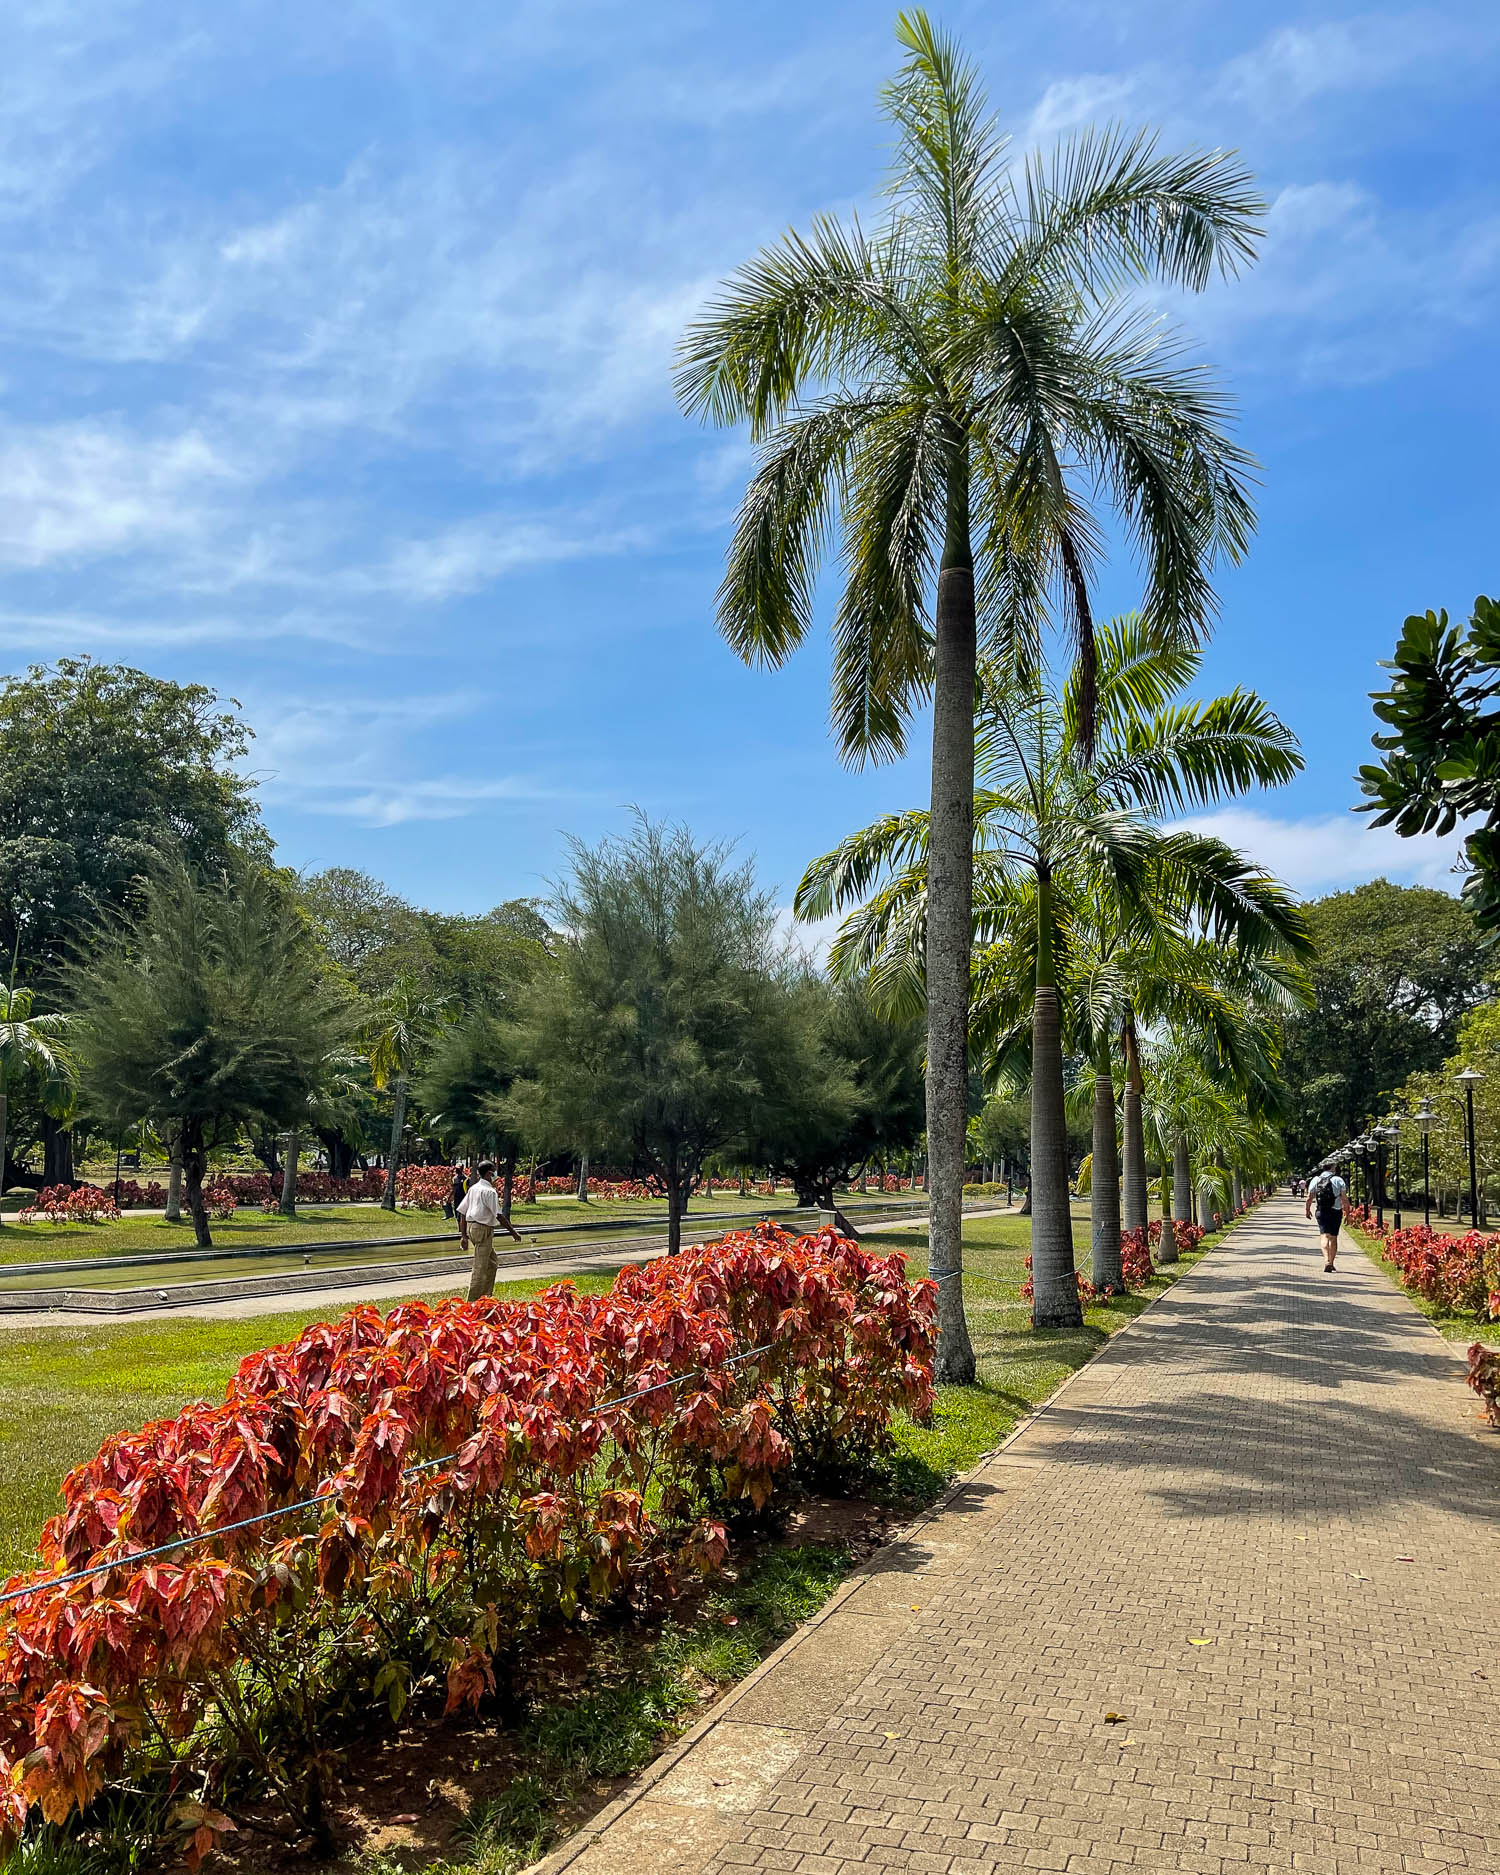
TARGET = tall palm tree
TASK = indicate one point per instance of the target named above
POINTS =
(1055, 840)
(956, 393)
(406, 1020)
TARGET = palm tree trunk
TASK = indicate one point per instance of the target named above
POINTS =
(1104, 1202)
(950, 925)
(1055, 1303)
(1238, 1194)
(288, 1205)
(1182, 1199)
(4, 1120)
(393, 1157)
(1166, 1249)
(583, 1178)
(1133, 1181)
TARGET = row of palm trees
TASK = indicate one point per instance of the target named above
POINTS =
(1092, 924)
(969, 396)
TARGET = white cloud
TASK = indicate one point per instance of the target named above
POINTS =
(70, 491)
(363, 759)
(1295, 64)
(1327, 853)
(1091, 97)
(811, 938)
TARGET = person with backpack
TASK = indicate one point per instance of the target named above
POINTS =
(1326, 1192)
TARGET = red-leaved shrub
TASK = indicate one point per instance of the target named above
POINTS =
(424, 1187)
(474, 1466)
(1460, 1274)
(1484, 1378)
(64, 1204)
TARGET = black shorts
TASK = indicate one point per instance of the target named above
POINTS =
(1329, 1222)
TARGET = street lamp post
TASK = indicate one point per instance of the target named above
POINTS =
(1425, 1117)
(1378, 1133)
(1395, 1133)
(1466, 1081)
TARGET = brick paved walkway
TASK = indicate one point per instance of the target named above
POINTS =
(1281, 1466)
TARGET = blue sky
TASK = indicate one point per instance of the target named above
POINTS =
(334, 372)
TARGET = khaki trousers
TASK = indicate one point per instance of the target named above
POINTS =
(482, 1276)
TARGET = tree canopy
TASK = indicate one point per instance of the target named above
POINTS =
(209, 1009)
(1396, 969)
(653, 1036)
(102, 768)
(845, 1088)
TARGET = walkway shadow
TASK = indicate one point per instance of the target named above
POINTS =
(1312, 1448)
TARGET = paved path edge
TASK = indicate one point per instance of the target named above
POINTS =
(585, 1838)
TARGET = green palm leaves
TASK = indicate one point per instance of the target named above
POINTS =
(978, 350)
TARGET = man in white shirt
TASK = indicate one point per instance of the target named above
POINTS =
(1327, 1191)
(478, 1213)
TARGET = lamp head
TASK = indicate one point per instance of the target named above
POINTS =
(1468, 1076)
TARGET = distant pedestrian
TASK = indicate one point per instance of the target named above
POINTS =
(1325, 1194)
(478, 1211)
(458, 1189)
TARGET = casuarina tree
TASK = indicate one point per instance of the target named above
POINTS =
(666, 1009)
(209, 1009)
(954, 394)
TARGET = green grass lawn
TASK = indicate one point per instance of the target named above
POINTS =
(255, 1229)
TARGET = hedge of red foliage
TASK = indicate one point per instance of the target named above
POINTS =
(212, 1681)
(312, 1187)
(424, 1187)
(1187, 1237)
(1461, 1274)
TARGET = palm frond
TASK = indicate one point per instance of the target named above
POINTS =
(1105, 208)
(949, 151)
(893, 512)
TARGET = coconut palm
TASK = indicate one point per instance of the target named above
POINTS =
(31, 1043)
(958, 393)
(1053, 841)
(407, 1018)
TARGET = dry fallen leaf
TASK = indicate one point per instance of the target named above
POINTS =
(1205, 1640)
(893, 1734)
(1114, 1718)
